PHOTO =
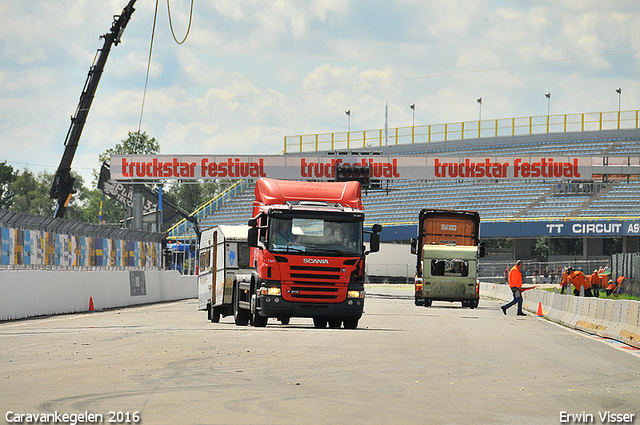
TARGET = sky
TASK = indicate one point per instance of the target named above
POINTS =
(251, 72)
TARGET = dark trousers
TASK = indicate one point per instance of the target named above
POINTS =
(517, 299)
(587, 292)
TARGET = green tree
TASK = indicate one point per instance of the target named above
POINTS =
(540, 248)
(112, 210)
(135, 143)
(192, 194)
(7, 177)
(31, 195)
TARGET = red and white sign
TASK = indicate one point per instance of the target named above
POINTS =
(189, 167)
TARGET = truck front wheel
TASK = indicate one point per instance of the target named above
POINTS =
(257, 320)
(335, 323)
(350, 323)
(319, 323)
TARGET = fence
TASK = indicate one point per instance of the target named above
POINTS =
(34, 242)
(627, 265)
(464, 130)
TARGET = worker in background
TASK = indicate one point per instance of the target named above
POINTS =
(618, 290)
(610, 288)
(564, 283)
(579, 281)
(596, 282)
(515, 283)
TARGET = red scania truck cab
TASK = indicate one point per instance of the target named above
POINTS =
(307, 254)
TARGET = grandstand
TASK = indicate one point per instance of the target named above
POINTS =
(396, 203)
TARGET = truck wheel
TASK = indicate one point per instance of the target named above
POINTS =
(257, 320)
(319, 323)
(427, 303)
(350, 323)
(240, 317)
(285, 320)
(473, 304)
(335, 323)
(214, 314)
(419, 301)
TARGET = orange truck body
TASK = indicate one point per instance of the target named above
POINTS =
(307, 254)
(449, 227)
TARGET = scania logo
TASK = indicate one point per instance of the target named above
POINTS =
(315, 261)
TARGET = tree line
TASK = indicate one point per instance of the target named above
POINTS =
(27, 192)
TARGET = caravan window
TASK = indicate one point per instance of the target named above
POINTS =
(449, 267)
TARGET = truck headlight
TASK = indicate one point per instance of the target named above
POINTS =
(355, 294)
(274, 291)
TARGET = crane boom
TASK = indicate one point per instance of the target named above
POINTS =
(62, 186)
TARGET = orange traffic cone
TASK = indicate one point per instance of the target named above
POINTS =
(91, 308)
(540, 309)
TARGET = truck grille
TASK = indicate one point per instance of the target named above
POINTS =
(315, 283)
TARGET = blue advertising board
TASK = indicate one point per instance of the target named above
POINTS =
(533, 229)
(560, 228)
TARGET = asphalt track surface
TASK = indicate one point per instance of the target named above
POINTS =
(403, 365)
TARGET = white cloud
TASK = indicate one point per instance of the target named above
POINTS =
(252, 72)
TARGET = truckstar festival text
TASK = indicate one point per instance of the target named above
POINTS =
(185, 167)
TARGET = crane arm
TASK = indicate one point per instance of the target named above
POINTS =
(62, 186)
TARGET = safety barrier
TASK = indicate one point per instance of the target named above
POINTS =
(608, 318)
(29, 293)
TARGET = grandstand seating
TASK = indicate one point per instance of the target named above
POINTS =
(399, 201)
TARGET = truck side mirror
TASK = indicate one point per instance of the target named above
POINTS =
(374, 243)
(414, 246)
(481, 250)
(252, 237)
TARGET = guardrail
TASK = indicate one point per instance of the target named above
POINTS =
(541, 124)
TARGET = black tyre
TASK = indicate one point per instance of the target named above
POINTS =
(427, 303)
(285, 320)
(257, 320)
(240, 317)
(319, 323)
(350, 323)
(214, 314)
(335, 323)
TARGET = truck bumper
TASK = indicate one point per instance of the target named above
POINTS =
(270, 306)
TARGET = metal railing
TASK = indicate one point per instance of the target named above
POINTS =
(591, 121)
(207, 208)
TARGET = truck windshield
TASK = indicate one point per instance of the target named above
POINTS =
(315, 236)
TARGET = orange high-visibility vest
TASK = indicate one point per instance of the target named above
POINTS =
(515, 277)
(578, 280)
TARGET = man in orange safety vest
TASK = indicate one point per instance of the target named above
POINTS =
(515, 283)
